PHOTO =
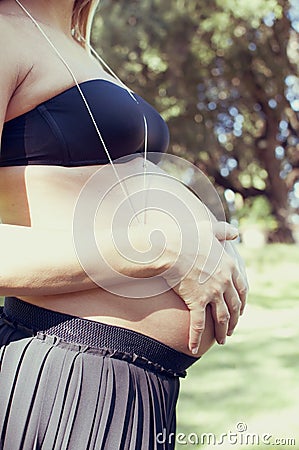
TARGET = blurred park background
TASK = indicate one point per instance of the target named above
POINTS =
(224, 74)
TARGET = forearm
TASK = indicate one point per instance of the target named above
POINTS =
(46, 262)
(49, 262)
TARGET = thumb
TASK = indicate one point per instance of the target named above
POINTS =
(223, 231)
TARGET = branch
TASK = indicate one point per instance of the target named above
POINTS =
(227, 183)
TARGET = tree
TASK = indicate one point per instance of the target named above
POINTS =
(223, 75)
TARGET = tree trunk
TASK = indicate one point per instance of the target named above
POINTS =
(278, 195)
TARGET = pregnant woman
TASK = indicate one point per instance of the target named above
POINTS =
(84, 364)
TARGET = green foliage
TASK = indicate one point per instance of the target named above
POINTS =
(255, 10)
(257, 211)
(216, 71)
(253, 378)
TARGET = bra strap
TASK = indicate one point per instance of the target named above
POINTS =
(60, 56)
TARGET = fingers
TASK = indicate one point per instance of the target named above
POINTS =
(234, 305)
(224, 231)
(226, 307)
(227, 297)
(241, 286)
(224, 288)
(239, 262)
(221, 319)
(197, 326)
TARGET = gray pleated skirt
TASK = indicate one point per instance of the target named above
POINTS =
(72, 383)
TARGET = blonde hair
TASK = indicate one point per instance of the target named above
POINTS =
(83, 13)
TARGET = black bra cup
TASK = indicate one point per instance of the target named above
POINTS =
(60, 130)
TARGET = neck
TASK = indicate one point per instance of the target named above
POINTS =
(55, 13)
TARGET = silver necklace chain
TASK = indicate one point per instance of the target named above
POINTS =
(77, 84)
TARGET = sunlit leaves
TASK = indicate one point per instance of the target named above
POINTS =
(223, 73)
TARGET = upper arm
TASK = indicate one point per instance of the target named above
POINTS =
(9, 66)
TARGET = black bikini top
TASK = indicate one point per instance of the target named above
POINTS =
(60, 131)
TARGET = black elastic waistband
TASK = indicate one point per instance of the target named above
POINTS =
(139, 348)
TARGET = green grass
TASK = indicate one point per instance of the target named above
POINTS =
(254, 378)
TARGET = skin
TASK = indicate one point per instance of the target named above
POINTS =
(43, 198)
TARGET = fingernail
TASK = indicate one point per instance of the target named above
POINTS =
(230, 332)
(194, 351)
(222, 342)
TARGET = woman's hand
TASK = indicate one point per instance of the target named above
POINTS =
(159, 228)
(187, 247)
(211, 276)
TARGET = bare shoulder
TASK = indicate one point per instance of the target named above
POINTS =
(10, 32)
(7, 22)
(9, 48)
(10, 63)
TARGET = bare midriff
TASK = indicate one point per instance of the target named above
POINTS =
(45, 197)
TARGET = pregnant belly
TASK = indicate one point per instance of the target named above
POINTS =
(163, 317)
